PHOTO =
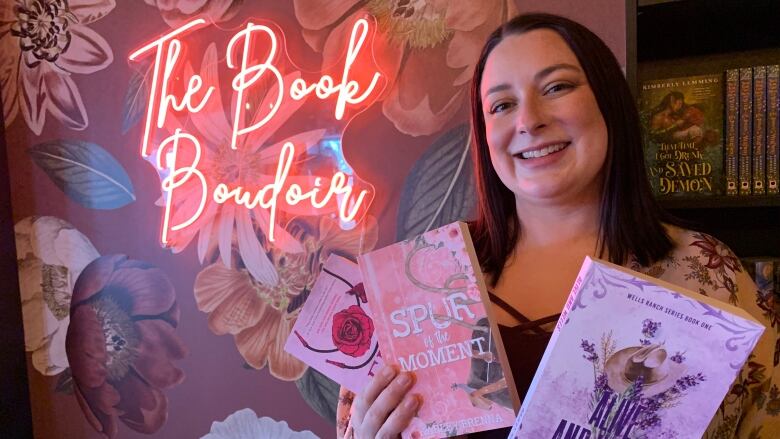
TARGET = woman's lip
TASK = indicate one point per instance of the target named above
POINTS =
(519, 155)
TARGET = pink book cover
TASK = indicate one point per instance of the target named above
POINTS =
(634, 357)
(433, 317)
(334, 332)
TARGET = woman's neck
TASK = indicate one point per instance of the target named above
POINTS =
(546, 225)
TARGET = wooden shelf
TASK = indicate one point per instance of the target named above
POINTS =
(719, 202)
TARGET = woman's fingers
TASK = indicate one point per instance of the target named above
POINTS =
(401, 417)
(388, 400)
(372, 390)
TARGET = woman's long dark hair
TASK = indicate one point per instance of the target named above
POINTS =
(630, 223)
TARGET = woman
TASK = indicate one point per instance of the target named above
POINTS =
(560, 175)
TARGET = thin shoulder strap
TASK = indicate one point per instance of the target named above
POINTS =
(508, 308)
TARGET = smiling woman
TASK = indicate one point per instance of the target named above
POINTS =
(560, 176)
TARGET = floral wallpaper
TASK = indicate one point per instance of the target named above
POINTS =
(128, 338)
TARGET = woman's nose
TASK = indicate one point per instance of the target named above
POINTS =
(530, 117)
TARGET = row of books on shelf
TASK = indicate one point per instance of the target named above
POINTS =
(765, 272)
(713, 134)
(626, 358)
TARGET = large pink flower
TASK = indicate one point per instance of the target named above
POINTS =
(429, 49)
(260, 316)
(177, 12)
(121, 344)
(43, 42)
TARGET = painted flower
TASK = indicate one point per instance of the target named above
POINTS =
(177, 12)
(121, 344)
(252, 165)
(717, 254)
(352, 330)
(429, 50)
(244, 424)
(42, 43)
(259, 316)
(50, 255)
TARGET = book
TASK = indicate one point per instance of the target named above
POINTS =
(632, 357)
(334, 332)
(772, 128)
(682, 121)
(731, 141)
(759, 130)
(433, 317)
(745, 111)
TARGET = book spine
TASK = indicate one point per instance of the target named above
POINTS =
(745, 128)
(759, 130)
(732, 100)
(772, 128)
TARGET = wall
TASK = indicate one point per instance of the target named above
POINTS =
(87, 208)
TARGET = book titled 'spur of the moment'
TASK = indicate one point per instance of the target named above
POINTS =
(432, 315)
(334, 332)
(635, 357)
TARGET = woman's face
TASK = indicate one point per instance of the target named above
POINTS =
(546, 134)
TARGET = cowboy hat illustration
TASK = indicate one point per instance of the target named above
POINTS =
(650, 362)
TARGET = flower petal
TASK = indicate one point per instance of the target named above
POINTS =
(94, 277)
(462, 53)
(252, 254)
(98, 407)
(466, 15)
(142, 407)
(316, 14)
(149, 291)
(159, 345)
(352, 242)
(89, 11)
(211, 120)
(52, 359)
(64, 100)
(225, 230)
(227, 295)
(253, 343)
(420, 119)
(86, 348)
(9, 77)
(39, 324)
(88, 52)
(281, 364)
(34, 99)
(75, 251)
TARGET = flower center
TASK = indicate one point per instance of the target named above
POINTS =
(56, 289)
(42, 28)
(415, 23)
(120, 337)
(295, 275)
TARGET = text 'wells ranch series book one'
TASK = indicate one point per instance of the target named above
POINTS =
(634, 357)
(433, 317)
(682, 127)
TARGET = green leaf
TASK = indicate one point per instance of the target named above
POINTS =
(86, 172)
(320, 392)
(136, 97)
(439, 189)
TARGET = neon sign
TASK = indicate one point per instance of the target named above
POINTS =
(254, 51)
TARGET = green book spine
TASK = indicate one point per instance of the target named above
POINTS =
(682, 121)
(772, 128)
(731, 141)
(745, 129)
(759, 130)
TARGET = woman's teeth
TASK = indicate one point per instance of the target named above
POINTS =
(544, 151)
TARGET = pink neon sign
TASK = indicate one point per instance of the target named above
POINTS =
(254, 52)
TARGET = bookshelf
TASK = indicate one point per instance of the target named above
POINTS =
(675, 38)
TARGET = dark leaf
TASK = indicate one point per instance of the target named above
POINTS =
(86, 172)
(439, 189)
(134, 107)
(320, 392)
(65, 382)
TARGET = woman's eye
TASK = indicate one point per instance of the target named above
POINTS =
(555, 88)
(499, 107)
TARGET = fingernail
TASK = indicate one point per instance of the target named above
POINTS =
(404, 379)
(388, 372)
(411, 403)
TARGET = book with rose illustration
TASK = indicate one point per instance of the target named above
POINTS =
(635, 357)
(432, 315)
(334, 332)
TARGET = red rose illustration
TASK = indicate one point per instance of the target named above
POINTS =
(352, 331)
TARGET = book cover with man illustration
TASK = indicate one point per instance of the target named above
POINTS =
(432, 316)
(682, 129)
(635, 357)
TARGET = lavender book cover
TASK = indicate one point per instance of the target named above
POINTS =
(635, 357)
(334, 332)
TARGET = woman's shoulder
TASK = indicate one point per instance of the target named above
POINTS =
(701, 263)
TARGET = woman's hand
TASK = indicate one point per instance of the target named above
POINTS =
(385, 407)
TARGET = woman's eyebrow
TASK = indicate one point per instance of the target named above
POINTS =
(497, 88)
(548, 70)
